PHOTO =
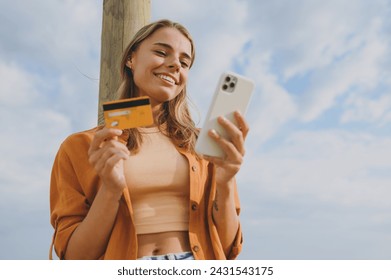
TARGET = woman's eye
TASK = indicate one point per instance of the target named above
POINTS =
(161, 53)
(184, 64)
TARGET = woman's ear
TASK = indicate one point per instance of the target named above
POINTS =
(129, 62)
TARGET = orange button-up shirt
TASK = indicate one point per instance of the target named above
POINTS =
(74, 184)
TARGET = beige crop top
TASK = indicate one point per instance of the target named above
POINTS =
(158, 179)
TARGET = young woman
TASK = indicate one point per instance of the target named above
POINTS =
(144, 192)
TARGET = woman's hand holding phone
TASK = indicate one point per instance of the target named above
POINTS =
(233, 94)
(233, 147)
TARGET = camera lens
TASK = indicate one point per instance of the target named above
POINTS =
(232, 84)
(228, 79)
(225, 87)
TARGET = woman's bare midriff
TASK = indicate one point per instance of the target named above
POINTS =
(162, 243)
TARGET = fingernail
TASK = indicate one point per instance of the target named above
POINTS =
(223, 119)
(214, 132)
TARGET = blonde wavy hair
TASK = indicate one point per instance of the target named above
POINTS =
(175, 114)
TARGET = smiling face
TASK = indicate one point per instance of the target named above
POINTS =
(160, 65)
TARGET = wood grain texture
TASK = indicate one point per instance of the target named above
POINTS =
(121, 20)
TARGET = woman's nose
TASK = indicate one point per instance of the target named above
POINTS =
(174, 63)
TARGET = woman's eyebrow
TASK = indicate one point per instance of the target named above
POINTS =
(171, 48)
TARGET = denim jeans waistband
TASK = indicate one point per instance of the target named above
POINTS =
(171, 256)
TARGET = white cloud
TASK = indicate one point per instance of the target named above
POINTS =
(331, 46)
(363, 109)
(31, 131)
(17, 87)
(50, 34)
(361, 69)
(310, 34)
(57, 43)
(272, 106)
(338, 167)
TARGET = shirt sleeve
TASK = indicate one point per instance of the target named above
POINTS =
(68, 204)
(238, 241)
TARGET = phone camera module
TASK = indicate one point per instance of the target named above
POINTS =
(229, 83)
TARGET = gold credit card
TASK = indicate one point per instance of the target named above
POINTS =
(128, 113)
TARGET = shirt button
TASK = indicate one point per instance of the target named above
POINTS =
(194, 207)
(194, 168)
(196, 248)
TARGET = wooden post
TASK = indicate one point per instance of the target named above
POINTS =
(121, 20)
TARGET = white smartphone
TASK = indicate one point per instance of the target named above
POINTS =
(233, 93)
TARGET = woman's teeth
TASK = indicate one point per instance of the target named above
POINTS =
(167, 78)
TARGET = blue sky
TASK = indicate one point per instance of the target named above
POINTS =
(316, 179)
